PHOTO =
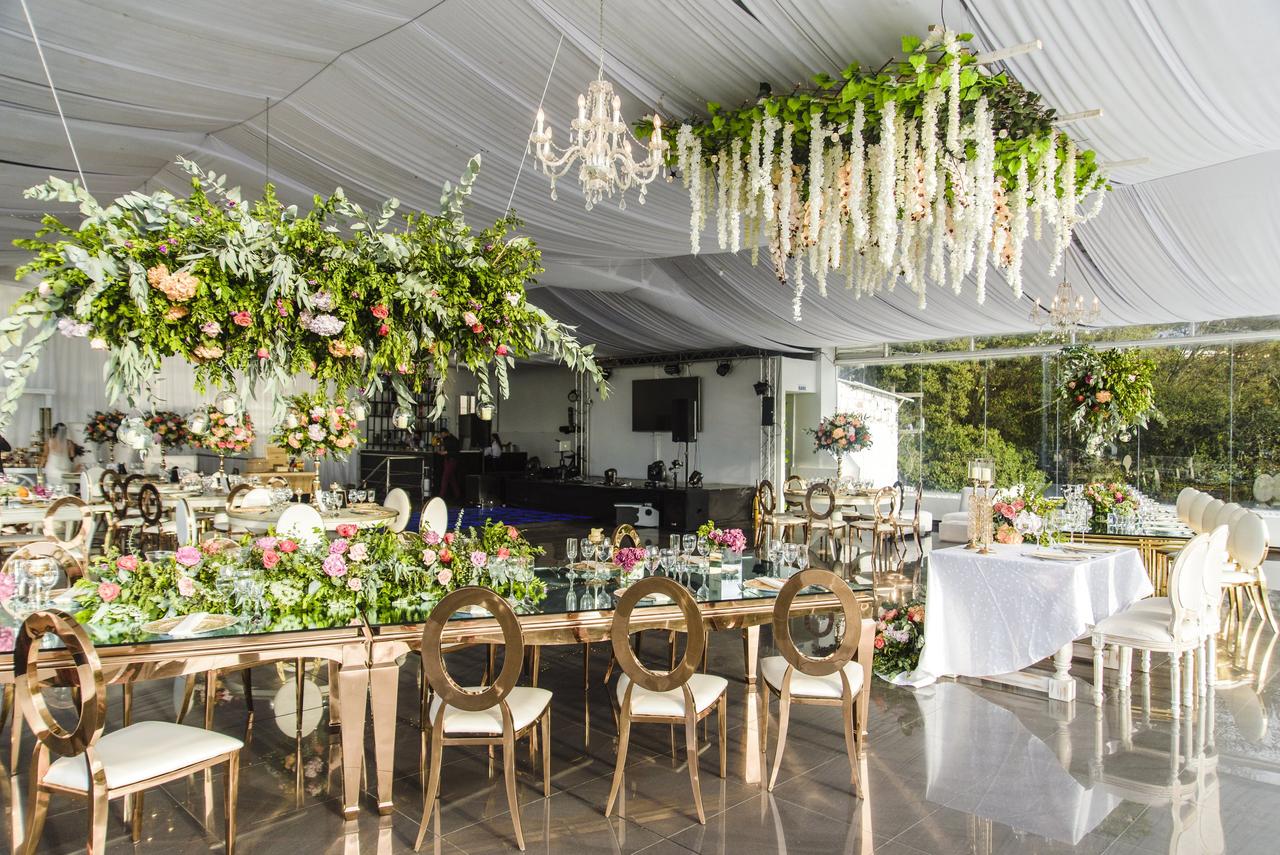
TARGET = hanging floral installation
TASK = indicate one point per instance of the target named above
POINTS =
(255, 293)
(920, 171)
(1108, 393)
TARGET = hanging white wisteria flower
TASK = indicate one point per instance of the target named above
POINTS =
(885, 186)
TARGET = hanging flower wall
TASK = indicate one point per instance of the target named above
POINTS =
(1108, 393)
(257, 292)
(917, 172)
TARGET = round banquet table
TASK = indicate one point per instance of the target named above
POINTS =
(261, 519)
(844, 501)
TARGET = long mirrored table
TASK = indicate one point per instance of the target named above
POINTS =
(366, 654)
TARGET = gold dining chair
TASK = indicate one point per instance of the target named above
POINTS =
(768, 517)
(497, 715)
(679, 696)
(625, 532)
(98, 767)
(154, 532)
(880, 526)
(820, 516)
(833, 681)
(57, 518)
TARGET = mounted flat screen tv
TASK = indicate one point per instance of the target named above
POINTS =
(654, 401)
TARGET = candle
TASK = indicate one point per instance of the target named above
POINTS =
(541, 120)
(617, 109)
(582, 108)
(657, 127)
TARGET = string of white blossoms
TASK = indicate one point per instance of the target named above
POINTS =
(916, 206)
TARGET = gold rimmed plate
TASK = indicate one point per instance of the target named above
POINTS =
(209, 623)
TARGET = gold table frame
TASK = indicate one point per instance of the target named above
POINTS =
(1154, 550)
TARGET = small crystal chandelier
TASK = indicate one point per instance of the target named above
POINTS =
(601, 141)
(1067, 311)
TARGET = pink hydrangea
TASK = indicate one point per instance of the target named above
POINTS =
(188, 556)
(186, 586)
(334, 566)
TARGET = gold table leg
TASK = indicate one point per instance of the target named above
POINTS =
(353, 678)
(751, 650)
(384, 678)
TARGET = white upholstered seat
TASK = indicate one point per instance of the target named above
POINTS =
(706, 689)
(1142, 625)
(526, 704)
(773, 668)
(148, 749)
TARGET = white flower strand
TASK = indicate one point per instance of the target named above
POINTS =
(953, 98)
(770, 128)
(1046, 212)
(858, 180)
(929, 142)
(1066, 207)
(938, 243)
(784, 193)
(1018, 229)
(753, 160)
(684, 140)
(722, 199)
(816, 139)
(798, 284)
(886, 212)
(695, 194)
(984, 189)
(735, 196)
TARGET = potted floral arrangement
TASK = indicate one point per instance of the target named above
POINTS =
(899, 638)
(841, 434)
(1108, 393)
(1103, 498)
(724, 544)
(1024, 507)
(628, 558)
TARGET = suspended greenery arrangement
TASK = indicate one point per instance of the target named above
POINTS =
(919, 171)
(253, 293)
(1108, 393)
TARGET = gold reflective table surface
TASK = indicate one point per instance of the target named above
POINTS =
(365, 655)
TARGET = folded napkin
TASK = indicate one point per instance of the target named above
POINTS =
(189, 625)
(766, 583)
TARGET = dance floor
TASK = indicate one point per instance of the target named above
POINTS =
(956, 767)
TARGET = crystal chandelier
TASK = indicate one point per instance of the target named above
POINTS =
(1066, 312)
(600, 143)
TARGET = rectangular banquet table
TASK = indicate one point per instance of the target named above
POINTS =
(993, 615)
(365, 651)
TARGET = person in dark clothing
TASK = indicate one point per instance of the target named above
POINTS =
(448, 447)
(5, 447)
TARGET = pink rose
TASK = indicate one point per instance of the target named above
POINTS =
(444, 575)
(384, 329)
(477, 328)
(432, 537)
(513, 532)
(380, 312)
(359, 552)
(262, 353)
(270, 558)
(339, 546)
(186, 586)
(108, 591)
(127, 562)
(334, 566)
(504, 553)
(478, 558)
(445, 556)
(879, 642)
(287, 546)
(501, 350)
(211, 547)
(429, 557)
(347, 530)
(470, 319)
(449, 538)
(241, 319)
(188, 556)
(355, 584)
(265, 543)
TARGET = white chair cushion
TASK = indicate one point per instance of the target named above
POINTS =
(783, 519)
(774, 668)
(1236, 577)
(140, 751)
(926, 521)
(526, 703)
(1142, 625)
(706, 689)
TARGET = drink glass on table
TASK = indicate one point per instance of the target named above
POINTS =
(571, 555)
(687, 543)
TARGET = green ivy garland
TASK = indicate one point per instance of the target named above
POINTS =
(1108, 393)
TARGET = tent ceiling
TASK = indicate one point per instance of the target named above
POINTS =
(391, 97)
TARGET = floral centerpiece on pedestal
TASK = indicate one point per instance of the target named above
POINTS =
(317, 426)
(899, 638)
(1108, 393)
(227, 434)
(102, 426)
(254, 293)
(1103, 498)
(169, 430)
(841, 434)
(1019, 513)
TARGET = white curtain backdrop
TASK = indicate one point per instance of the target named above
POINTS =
(392, 97)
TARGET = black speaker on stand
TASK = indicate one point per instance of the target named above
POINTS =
(766, 411)
(684, 428)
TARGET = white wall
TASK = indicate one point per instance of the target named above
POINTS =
(727, 451)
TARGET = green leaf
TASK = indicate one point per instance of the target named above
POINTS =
(910, 43)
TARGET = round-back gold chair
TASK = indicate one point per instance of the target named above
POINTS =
(679, 696)
(498, 714)
(98, 767)
(154, 533)
(881, 528)
(626, 532)
(67, 511)
(820, 515)
(834, 680)
(769, 518)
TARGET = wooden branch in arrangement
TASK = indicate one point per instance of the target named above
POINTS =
(1007, 53)
(1066, 118)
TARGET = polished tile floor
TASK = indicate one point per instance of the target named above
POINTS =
(956, 767)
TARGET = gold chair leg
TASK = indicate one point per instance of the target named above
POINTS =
(211, 689)
(586, 666)
(624, 738)
(38, 799)
(509, 774)
(231, 791)
(135, 817)
(1264, 602)
(691, 757)
(188, 692)
(762, 704)
(784, 713)
(97, 817)
(722, 719)
(851, 745)
(432, 788)
(299, 695)
(546, 753)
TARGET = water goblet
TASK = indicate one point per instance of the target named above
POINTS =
(43, 575)
(21, 578)
(353, 496)
(604, 551)
(790, 552)
(651, 559)
(571, 599)
(687, 543)
(665, 560)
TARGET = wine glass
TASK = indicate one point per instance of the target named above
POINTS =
(587, 548)
(665, 559)
(571, 598)
(701, 547)
(21, 578)
(353, 496)
(43, 574)
(604, 551)
(652, 556)
(790, 552)
(687, 543)
(571, 555)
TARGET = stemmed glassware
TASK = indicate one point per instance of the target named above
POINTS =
(571, 556)
(687, 543)
(674, 542)
(666, 559)
(652, 557)
(42, 574)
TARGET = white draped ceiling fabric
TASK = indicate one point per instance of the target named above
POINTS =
(390, 97)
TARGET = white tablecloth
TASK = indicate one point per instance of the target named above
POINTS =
(999, 613)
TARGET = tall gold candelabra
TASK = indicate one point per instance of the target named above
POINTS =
(981, 531)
